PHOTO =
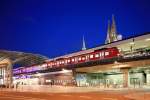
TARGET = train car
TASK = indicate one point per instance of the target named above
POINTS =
(100, 54)
(104, 53)
(112, 52)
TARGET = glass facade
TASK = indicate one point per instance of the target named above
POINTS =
(105, 79)
(139, 77)
(135, 77)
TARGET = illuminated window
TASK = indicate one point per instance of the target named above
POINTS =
(44, 65)
(49, 64)
(76, 59)
(83, 58)
(52, 63)
(72, 60)
(102, 53)
(91, 56)
(79, 58)
(68, 60)
(87, 56)
(96, 55)
(58, 63)
(106, 53)
(63, 62)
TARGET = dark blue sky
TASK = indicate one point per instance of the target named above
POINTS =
(55, 27)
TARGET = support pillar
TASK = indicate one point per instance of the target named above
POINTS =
(125, 77)
(74, 77)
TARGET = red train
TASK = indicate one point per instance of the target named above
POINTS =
(99, 54)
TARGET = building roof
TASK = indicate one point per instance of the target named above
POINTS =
(21, 58)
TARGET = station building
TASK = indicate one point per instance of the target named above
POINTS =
(8, 60)
(116, 64)
(6, 73)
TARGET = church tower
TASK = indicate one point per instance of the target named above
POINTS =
(113, 29)
(111, 32)
(108, 34)
(83, 44)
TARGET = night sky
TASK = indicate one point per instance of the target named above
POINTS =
(55, 27)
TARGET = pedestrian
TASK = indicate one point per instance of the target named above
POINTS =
(50, 83)
(16, 86)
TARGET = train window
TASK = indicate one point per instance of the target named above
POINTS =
(63, 62)
(76, 58)
(68, 60)
(102, 53)
(96, 55)
(79, 58)
(44, 65)
(83, 58)
(87, 56)
(106, 53)
(49, 64)
(58, 63)
(52, 63)
(91, 56)
(72, 59)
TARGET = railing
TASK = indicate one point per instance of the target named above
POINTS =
(136, 54)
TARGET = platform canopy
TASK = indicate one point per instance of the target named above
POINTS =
(22, 58)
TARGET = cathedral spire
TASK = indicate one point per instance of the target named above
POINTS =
(83, 44)
(113, 30)
(108, 33)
